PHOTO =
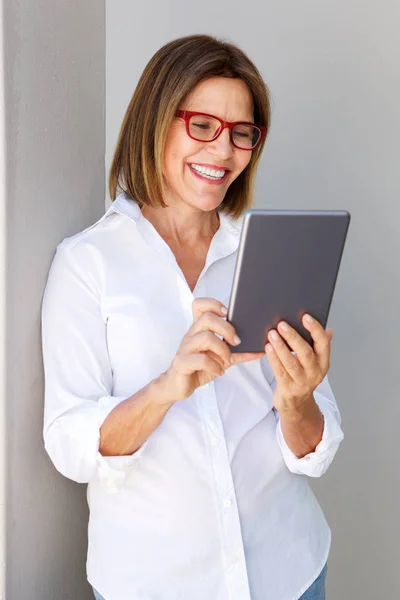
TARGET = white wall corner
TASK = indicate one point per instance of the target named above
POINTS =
(52, 146)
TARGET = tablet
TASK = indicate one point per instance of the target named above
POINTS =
(287, 265)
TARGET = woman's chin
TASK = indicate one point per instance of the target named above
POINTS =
(208, 206)
(207, 201)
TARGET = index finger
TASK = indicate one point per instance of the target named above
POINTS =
(204, 305)
(241, 357)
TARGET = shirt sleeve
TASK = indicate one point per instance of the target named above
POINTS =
(316, 463)
(78, 374)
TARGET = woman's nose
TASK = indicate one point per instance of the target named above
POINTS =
(222, 146)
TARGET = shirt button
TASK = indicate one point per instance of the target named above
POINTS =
(227, 502)
(234, 562)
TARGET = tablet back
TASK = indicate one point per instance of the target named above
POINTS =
(287, 265)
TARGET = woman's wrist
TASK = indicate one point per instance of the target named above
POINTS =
(160, 391)
(302, 427)
(295, 410)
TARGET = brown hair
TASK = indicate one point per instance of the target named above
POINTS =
(168, 78)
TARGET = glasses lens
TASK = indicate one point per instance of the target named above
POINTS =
(203, 128)
(246, 136)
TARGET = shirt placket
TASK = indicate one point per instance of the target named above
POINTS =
(234, 560)
(232, 542)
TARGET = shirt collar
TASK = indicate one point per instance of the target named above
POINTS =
(224, 242)
(124, 205)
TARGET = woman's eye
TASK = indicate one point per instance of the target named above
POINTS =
(242, 134)
(202, 126)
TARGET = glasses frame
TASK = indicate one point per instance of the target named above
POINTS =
(186, 115)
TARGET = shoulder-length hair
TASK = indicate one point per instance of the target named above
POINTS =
(172, 73)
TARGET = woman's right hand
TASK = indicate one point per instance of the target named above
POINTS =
(202, 355)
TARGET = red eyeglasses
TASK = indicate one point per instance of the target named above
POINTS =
(206, 128)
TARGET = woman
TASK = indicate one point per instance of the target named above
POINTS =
(196, 459)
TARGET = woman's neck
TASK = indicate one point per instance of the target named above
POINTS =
(182, 227)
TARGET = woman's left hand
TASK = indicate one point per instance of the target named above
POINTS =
(297, 375)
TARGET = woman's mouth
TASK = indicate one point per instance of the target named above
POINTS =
(210, 174)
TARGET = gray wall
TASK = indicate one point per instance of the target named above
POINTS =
(333, 69)
(54, 113)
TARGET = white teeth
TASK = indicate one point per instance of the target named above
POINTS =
(208, 172)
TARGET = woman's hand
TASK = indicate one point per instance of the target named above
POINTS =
(298, 375)
(202, 355)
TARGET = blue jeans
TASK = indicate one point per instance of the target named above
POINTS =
(315, 592)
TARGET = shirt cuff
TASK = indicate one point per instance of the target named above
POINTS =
(113, 471)
(315, 463)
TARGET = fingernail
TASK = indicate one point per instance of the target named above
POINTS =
(236, 340)
(224, 310)
(308, 319)
(274, 336)
(284, 326)
(232, 359)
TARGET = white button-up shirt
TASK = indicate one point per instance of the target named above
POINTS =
(214, 505)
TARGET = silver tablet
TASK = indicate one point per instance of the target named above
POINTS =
(287, 265)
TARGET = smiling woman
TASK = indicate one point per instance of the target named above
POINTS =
(197, 73)
(196, 457)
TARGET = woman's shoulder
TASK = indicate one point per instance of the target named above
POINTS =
(84, 254)
(106, 230)
(92, 233)
(90, 250)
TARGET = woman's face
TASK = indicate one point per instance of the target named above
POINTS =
(230, 100)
